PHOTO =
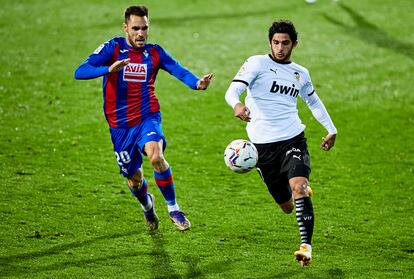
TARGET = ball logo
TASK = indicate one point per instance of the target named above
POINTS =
(135, 72)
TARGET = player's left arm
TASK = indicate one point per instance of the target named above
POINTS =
(173, 67)
(322, 116)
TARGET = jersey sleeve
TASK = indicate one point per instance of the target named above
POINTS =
(97, 64)
(247, 72)
(233, 93)
(307, 89)
(320, 113)
(316, 106)
(170, 65)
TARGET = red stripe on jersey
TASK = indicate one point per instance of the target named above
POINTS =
(134, 90)
(164, 182)
(135, 77)
(155, 56)
(110, 93)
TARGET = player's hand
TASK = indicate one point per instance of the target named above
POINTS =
(328, 142)
(118, 65)
(242, 112)
(204, 82)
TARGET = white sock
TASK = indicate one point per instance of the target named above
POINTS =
(174, 207)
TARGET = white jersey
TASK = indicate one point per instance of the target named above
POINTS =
(272, 91)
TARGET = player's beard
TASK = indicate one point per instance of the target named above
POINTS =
(137, 44)
(284, 59)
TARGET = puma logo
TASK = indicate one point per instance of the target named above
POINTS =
(296, 156)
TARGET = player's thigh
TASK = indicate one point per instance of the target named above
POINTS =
(296, 161)
(269, 168)
(151, 131)
(127, 152)
(277, 184)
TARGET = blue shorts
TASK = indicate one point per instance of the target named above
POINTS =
(129, 142)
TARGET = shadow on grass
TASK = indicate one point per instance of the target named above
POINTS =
(370, 33)
(14, 264)
(308, 272)
(59, 248)
(162, 268)
(161, 265)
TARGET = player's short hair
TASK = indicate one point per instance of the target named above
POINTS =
(135, 10)
(283, 26)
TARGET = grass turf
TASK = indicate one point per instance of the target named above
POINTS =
(67, 214)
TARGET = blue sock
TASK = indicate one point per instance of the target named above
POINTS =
(142, 195)
(165, 183)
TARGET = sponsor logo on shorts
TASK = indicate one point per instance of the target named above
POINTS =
(292, 150)
(296, 157)
(152, 133)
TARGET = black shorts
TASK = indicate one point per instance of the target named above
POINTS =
(280, 161)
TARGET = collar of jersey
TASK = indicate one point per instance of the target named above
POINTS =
(287, 62)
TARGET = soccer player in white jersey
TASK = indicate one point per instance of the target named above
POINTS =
(273, 83)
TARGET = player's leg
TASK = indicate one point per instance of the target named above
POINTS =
(288, 206)
(129, 160)
(153, 144)
(268, 167)
(138, 186)
(304, 217)
(162, 173)
(165, 182)
(278, 187)
(297, 164)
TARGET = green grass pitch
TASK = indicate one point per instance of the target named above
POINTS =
(66, 213)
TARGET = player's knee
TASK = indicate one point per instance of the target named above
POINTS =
(158, 162)
(300, 187)
(135, 182)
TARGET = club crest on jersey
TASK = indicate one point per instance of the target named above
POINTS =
(297, 76)
(135, 72)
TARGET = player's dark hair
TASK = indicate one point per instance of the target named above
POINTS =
(135, 10)
(283, 26)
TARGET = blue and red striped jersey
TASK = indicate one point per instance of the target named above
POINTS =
(129, 94)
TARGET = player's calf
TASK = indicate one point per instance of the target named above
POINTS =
(288, 206)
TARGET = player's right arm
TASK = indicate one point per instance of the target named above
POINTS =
(239, 84)
(232, 98)
(97, 64)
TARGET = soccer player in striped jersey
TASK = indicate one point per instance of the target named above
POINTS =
(129, 66)
(273, 83)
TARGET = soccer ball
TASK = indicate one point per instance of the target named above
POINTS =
(240, 156)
